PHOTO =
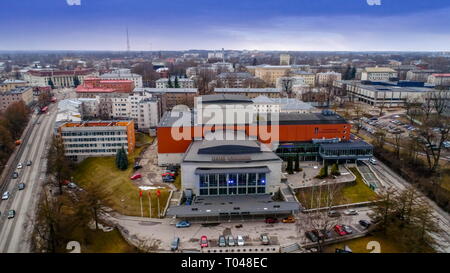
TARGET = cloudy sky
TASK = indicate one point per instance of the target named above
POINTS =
(403, 25)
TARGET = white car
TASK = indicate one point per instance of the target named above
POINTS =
(19, 166)
(351, 212)
(373, 161)
(5, 195)
(240, 240)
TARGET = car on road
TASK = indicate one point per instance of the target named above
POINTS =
(231, 241)
(364, 223)
(137, 167)
(271, 220)
(5, 195)
(289, 219)
(351, 212)
(15, 175)
(19, 166)
(334, 213)
(21, 186)
(11, 213)
(373, 161)
(136, 176)
(347, 229)
(222, 242)
(72, 185)
(175, 244)
(264, 239)
(311, 236)
(29, 162)
(183, 224)
(240, 240)
(203, 241)
(339, 230)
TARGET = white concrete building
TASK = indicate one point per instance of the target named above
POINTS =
(148, 115)
(439, 79)
(378, 74)
(328, 77)
(60, 78)
(264, 104)
(182, 82)
(124, 74)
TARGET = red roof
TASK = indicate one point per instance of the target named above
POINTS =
(442, 75)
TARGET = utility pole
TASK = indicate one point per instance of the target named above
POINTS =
(128, 42)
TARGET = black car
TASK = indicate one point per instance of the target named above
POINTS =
(175, 244)
(311, 236)
(137, 167)
(29, 162)
(21, 186)
(15, 175)
(364, 223)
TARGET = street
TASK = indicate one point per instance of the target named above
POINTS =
(15, 233)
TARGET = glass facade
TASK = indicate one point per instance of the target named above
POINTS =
(232, 183)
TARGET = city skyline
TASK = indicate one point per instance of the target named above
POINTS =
(286, 25)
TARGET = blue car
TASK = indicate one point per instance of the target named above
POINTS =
(183, 224)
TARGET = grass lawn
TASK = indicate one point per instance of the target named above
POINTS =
(177, 182)
(98, 241)
(344, 194)
(124, 195)
(359, 245)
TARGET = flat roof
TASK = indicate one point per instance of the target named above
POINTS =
(225, 98)
(310, 118)
(166, 90)
(247, 90)
(359, 144)
(229, 205)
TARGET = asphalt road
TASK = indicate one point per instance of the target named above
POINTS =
(15, 234)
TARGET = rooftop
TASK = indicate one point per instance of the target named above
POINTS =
(225, 98)
(379, 69)
(99, 123)
(246, 90)
(166, 90)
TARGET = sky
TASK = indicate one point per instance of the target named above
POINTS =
(303, 25)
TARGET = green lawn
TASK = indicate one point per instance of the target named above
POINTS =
(344, 194)
(98, 241)
(359, 245)
(177, 182)
(124, 195)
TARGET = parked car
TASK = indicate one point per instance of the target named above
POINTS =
(21, 186)
(339, 230)
(264, 239)
(175, 243)
(183, 224)
(222, 242)
(364, 223)
(311, 236)
(11, 213)
(271, 220)
(19, 166)
(289, 219)
(347, 229)
(15, 175)
(318, 234)
(72, 185)
(351, 212)
(204, 241)
(137, 167)
(136, 176)
(29, 162)
(5, 195)
(231, 241)
(326, 233)
(240, 240)
(373, 161)
(334, 213)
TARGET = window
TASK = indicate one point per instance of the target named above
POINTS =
(261, 179)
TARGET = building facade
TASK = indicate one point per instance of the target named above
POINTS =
(249, 92)
(24, 93)
(378, 74)
(60, 78)
(123, 74)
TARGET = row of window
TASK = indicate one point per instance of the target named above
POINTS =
(94, 145)
(230, 191)
(232, 180)
(95, 133)
(95, 139)
(91, 151)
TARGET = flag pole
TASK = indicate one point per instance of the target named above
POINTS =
(150, 202)
(159, 214)
(140, 200)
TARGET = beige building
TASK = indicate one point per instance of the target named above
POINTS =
(24, 93)
(308, 77)
(378, 74)
(11, 84)
(328, 77)
(270, 73)
(285, 59)
(60, 78)
(439, 79)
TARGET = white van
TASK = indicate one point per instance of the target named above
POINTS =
(373, 161)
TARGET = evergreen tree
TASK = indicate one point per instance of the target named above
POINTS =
(335, 169)
(52, 85)
(289, 168)
(176, 84)
(121, 159)
(297, 163)
(353, 73)
(169, 83)
(76, 81)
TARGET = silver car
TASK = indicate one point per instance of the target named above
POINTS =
(231, 241)
(5, 195)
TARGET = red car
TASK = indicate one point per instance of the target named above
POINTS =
(271, 220)
(204, 241)
(340, 230)
(136, 176)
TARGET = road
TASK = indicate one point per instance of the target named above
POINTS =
(15, 234)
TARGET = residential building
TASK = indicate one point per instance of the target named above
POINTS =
(264, 104)
(12, 84)
(148, 115)
(231, 80)
(23, 93)
(171, 97)
(308, 77)
(85, 139)
(325, 78)
(249, 92)
(182, 82)
(378, 74)
(420, 75)
(123, 74)
(60, 78)
(439, 79)
(221, 67)
(270, 73)
(285, 59)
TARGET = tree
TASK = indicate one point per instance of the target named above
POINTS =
(382, 105)
(397, 138)
(353, 73)
(380, 138)
(16, 118)
(76, 81)
(44, 99)
(50, 82)
(169, 83)
(335, 169)
(58, 165)
(176, 84)
(323, 173)
(289, 168)
(297, 163)
(121, 159)
(96, 198)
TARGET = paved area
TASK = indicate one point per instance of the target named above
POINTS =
(306, 178)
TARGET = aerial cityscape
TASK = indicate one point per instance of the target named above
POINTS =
(240, 127)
